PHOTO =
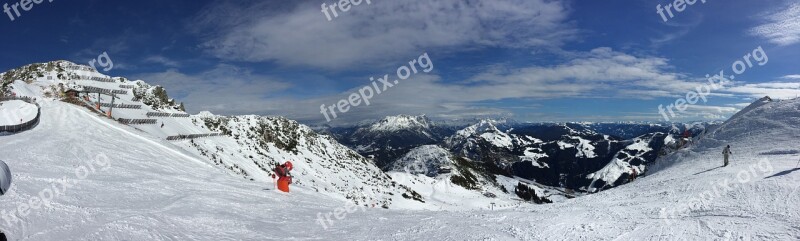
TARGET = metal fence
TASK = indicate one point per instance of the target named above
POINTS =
(127, 86)
(157, 114)
(92, 89)
(99, 79)
(78, 67)
(162, 114)
(192, 136)
(22, 98)
(138, 121)
(24, 126)
(121, 106)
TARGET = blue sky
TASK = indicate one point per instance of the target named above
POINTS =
(531, 60)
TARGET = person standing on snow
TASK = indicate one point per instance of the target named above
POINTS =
(726, 152)
(687, 137)
(284, 178)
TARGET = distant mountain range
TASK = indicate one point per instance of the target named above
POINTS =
(578, 156)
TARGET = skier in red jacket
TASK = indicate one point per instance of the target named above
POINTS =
(284, 177)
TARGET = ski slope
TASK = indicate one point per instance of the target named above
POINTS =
(109, 181)
(16, 112)
(152, 190)
(248, 147)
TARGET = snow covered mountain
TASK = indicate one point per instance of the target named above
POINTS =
(401, 122)
(392, 137)
(739, 124)
(565, 155)
(486, 131)
(454, 182)
(485, 143)
(633, 160)
(429, 160)
(568, 155)
(257, 144)
(625, 130)
(245, 146)
(435, 161)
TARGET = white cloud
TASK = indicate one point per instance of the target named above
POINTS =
(705, 112)
(678, 29)
(383, 31)
(740, 105)
(224, 89)
(602, 70)
(158, 59)
(777, 90)
(791, 76)
(781, 27)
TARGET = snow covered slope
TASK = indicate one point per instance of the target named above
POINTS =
(448, 182)
(757, 197)
(764, 115)
(15, 112)
(254, 144)
(152, 190)
(248, 146)
(135, 187)
(123, 183)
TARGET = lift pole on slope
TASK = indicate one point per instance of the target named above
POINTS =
(111, 108)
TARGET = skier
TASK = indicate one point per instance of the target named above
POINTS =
(687, 136)
(633, 175)
(284, 178)
(726, 152)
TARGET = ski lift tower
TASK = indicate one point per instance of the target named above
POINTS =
(111, 107)
(97, 104)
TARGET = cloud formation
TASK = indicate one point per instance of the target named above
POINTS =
(223, 89)
(300, 35)
(372, 37)
(777, 90)
(601, 72)
(781, 27)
